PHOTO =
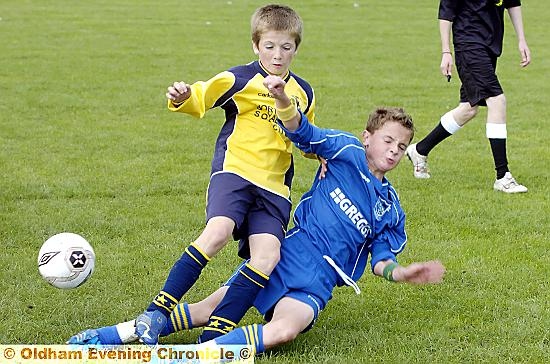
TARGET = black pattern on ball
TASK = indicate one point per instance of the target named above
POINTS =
(78, 259)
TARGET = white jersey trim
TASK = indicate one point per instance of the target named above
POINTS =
(347, 280)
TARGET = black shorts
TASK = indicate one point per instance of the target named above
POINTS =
(253, 209)
(477, 71)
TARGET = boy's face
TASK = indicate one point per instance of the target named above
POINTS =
(385, 147)
(276, 49)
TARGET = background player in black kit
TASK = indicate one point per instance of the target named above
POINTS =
(478, 30)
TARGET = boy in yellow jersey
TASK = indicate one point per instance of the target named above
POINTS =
(252, 168)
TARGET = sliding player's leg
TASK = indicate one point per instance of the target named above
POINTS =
(290, 318)
(184, 317)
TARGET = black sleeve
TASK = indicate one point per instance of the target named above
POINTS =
(447, 10)
(512, 3)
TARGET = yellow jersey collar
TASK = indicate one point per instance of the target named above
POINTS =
(285, 77)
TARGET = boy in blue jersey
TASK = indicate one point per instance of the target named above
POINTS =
(350, 214)
(477, 30)
(249, 191)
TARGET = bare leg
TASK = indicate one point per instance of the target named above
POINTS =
(464, 113)
(289, 319)
(496, 109)
(265, 252)
(201, 311)
(215, 235)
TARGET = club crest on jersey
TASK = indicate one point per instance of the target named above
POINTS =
(380, 208)
(351, 211)
(296, 101)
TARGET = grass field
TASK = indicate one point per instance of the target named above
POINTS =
(88, 146)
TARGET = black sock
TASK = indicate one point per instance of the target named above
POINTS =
(498, 147)
(436, 136)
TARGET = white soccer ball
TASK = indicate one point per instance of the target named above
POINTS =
(66, 260)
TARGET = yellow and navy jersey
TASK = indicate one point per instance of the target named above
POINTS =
(251, 144)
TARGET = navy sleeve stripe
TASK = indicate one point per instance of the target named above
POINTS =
(243, 74)
(307, 89)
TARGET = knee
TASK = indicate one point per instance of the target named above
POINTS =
(285, 334)
(214, 237)
(219, 237)
(265, 260)
(468, 113)
(464, 113)
(497, 102)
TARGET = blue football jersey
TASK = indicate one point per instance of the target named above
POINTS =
(349, 214)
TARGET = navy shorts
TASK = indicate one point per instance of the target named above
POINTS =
(302, 274)
(477, 71)
(253, 209)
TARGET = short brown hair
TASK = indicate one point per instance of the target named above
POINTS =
(384, 114)
(276, 17)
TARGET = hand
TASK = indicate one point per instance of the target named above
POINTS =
(276, 86)
(420, 273)
(178, 92)
(525, 54)
(446, 66)
(324, 167)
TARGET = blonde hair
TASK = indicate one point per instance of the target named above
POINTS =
(384, 114)
(278, 18)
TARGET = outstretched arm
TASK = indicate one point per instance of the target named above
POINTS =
(417, 273)
(178, 92)
(517, 22)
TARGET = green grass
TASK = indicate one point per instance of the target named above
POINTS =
(88, 146)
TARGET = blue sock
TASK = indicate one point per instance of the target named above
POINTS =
(108, 335)
(180, 319)
(183, 275)
(239, 298)
(247, 335)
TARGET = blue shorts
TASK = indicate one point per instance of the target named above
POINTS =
(477, 71)
(301, 274)
(253, 209)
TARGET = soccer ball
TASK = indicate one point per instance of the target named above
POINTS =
(66, 260)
